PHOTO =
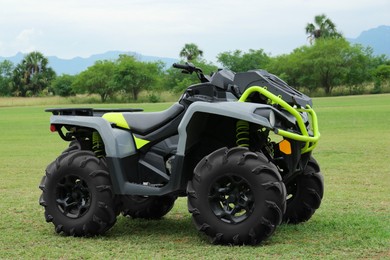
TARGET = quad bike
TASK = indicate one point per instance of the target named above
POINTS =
(238, 145)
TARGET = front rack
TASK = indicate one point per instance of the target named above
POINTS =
(310, 140)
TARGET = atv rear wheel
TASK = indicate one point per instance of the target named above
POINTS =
(77, 194)
(236, 196)
(73, 146)
(147, 207)
(304, 194)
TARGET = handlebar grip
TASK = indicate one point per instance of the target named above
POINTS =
(181, 66)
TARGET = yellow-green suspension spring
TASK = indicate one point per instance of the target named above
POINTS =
(242, 133)
(97, 145)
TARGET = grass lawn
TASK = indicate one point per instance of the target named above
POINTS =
(352, 222)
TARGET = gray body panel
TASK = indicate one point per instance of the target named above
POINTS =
(118, 143)
(239, 110)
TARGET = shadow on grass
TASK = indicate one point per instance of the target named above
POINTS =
(170, 228)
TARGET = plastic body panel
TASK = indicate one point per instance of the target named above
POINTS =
(118, 143)
(274, 84)
(237, 110)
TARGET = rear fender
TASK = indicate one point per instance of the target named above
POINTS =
(118, 143)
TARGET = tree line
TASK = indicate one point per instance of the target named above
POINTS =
(330, 61)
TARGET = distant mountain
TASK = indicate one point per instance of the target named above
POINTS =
(378, 38)
(78, 64)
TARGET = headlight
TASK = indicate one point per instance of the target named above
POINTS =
(268, 114)
(271, 118)
(305, 117)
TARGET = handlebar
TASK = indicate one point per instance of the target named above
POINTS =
(182, 66)
(190, 68)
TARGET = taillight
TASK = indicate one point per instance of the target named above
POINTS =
(53, 128)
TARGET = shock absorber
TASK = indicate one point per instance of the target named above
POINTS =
(97, 145)
(242, 133)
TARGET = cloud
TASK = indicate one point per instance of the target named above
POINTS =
(69, 28)
(25, 41)
(25, 36)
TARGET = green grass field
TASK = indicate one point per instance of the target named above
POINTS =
(353, 221)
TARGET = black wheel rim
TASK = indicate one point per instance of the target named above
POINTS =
(231, 199)
(292, 190)
(73, 196)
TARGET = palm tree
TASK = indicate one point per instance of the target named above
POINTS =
(35, 62)
(323, 27)
(190, 51)
(32, 75)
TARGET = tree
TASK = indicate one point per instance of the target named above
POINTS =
(134, 76)
(97, 79)
(360, 62)
(62, 85)
(334, 62)
(32, 75)
(382, 76)
(328, 63)
(190, 52)
(238, 61)
(6, 68)
(382, 72)
(323, 27)
(288, 68)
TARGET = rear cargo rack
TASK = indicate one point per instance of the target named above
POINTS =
(89, 111)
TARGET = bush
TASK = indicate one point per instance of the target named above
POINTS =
(62, 85)
(153, 98)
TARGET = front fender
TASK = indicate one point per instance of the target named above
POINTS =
(237, 110)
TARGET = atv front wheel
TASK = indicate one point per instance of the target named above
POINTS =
(147, 207)
(77, 194)
(236, 196)
(304, 194)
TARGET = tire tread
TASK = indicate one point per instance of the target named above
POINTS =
(253, 163)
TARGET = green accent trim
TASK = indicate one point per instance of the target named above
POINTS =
(140, 142)
(120, 121)
(311, 141)
(116, 118)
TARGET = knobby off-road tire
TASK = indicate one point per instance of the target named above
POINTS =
(73, 146)
(236, 197)
(76, 146)
(77, 194)
(304, 194)
(151, 207)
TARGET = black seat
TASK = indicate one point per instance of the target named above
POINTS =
(146, 122)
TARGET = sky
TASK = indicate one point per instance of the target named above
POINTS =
(81, 28)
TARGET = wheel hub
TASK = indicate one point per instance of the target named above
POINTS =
(231, 199)
(73, 196)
